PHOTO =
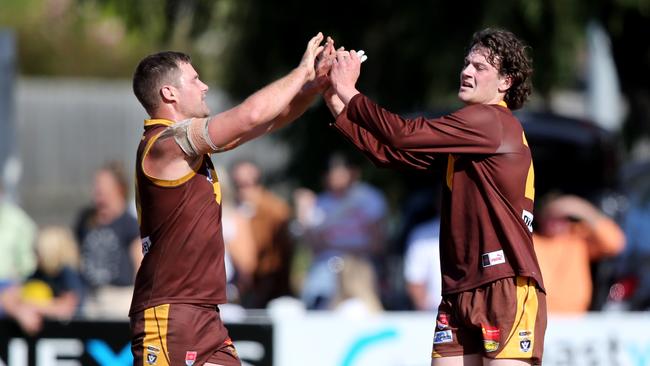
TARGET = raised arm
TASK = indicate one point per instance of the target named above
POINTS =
(468, 130)
(311, 89)
(343, 76)
(275, 104)
(259, 112)
(380, 153)
(179, 148)
(604, 235)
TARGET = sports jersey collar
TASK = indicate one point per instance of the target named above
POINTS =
(160, 121)
(503, 104)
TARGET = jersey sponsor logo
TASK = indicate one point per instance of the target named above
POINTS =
(528, 219)
(444, 336)
(146, 245)
(190, 358)
(493, 258)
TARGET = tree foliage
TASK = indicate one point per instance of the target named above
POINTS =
(415, 48)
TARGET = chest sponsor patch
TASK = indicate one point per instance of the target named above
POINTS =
(443, 336)
(493, 258)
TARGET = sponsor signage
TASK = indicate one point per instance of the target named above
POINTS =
(101, 343)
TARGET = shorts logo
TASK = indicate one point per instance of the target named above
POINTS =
(152, 354)
(524, 340)
(444, 336)
(490, 346)
(442, 322)
(493, 258)
(190, 358)
(490, 338)
(524, 345)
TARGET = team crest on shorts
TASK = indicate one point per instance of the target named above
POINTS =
(490, 338)
(525, 342)
(190, 358)
(152, 354)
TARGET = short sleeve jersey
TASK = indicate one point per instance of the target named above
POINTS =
(488, 188)
(182, 239)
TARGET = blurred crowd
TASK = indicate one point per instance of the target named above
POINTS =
(342, 249)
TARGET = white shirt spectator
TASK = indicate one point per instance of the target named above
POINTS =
(422, 264)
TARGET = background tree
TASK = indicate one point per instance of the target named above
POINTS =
(415, 48)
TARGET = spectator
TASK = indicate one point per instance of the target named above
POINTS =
(422, 266)
(17, 232)
(18, 260)
(571, 233)
(347, 219)
(12, 306)
(109, 244)
(269, 217)
(356, 295)
(240, 254)
(55, 289)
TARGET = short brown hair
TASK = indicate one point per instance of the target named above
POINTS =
(152, 72)
(510, 56)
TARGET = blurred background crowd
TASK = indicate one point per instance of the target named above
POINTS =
(308, 223)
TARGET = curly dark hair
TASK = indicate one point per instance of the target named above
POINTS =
(510, 56)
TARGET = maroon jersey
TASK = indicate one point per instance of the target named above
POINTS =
(180, 226)
(487, 205)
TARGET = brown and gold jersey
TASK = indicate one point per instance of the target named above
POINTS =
(180, 226)
(486, 223)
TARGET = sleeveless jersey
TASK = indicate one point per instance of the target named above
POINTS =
(180, 226)
(488, 186)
